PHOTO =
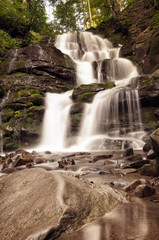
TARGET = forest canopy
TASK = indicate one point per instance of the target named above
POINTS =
(24, 22)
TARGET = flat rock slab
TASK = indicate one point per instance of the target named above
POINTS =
(36, 204)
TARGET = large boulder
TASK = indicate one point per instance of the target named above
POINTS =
(155, 141)
(36, 204)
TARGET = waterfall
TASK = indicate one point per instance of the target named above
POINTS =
(56, 121)
(113, 119)
(12, 61)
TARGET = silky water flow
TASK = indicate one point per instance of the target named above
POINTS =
(113, 119)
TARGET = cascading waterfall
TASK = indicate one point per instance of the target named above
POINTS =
(113, 119)
(56, 127)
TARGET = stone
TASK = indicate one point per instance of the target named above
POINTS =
(155, 141)
(144, 190)
(128, 152)
(151, 154)
(147, 147)
(136, 157)
(99, 157)
(136, 164)
(151, 169)
(65, 162)
(36, 204)
(133, 185)
(104, 172)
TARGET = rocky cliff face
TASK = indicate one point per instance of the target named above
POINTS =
(26, 75)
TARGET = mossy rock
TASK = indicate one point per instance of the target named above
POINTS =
(76, 114)
(9, 144)
(7, 114)
(85, 93)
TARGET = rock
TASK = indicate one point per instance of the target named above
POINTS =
(47, 152)
(128, 152)
(19, 151)
(144, 190)
(36, 204)
(134, 184)
(109, 162)
(151, 154)
(118, 184)
(151, 169)
(155, 141)
(136, 157)
(123, 172)
(99, 157)
(147, 147)
(104, 172)
(85, 93)
(65, 162)
(136, 164)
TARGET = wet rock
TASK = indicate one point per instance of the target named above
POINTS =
(123, 172)
(104, 172)
(109, 162)
(61, 203)
(134, 184)
(118, 184)
(151, 169)
(128, 152)
(151, 154)
(47, 152)
(66, 162)
(136, 157)
(6, 163)
(40, 160)
(85, 93)
(155, 141)
(155, 181)
(25, 158)
(147, 147)
(99, 157)
(136, 164)
(144, 190)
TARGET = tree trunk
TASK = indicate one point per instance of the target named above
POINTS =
(90, 13)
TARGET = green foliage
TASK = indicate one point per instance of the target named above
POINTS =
(25, 20)
(6, 42)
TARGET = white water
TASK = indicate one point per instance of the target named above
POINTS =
(56, 121)
(12, 61)
(113, 119)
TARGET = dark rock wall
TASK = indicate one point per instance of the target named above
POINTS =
(26, 75)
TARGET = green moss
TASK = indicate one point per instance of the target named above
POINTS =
(18, 114)
(151, 125)
(22, 93)
(7, 114)
(17, 89)
(19, 74)
(110, 85)
(86, 92)
(36, 108)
